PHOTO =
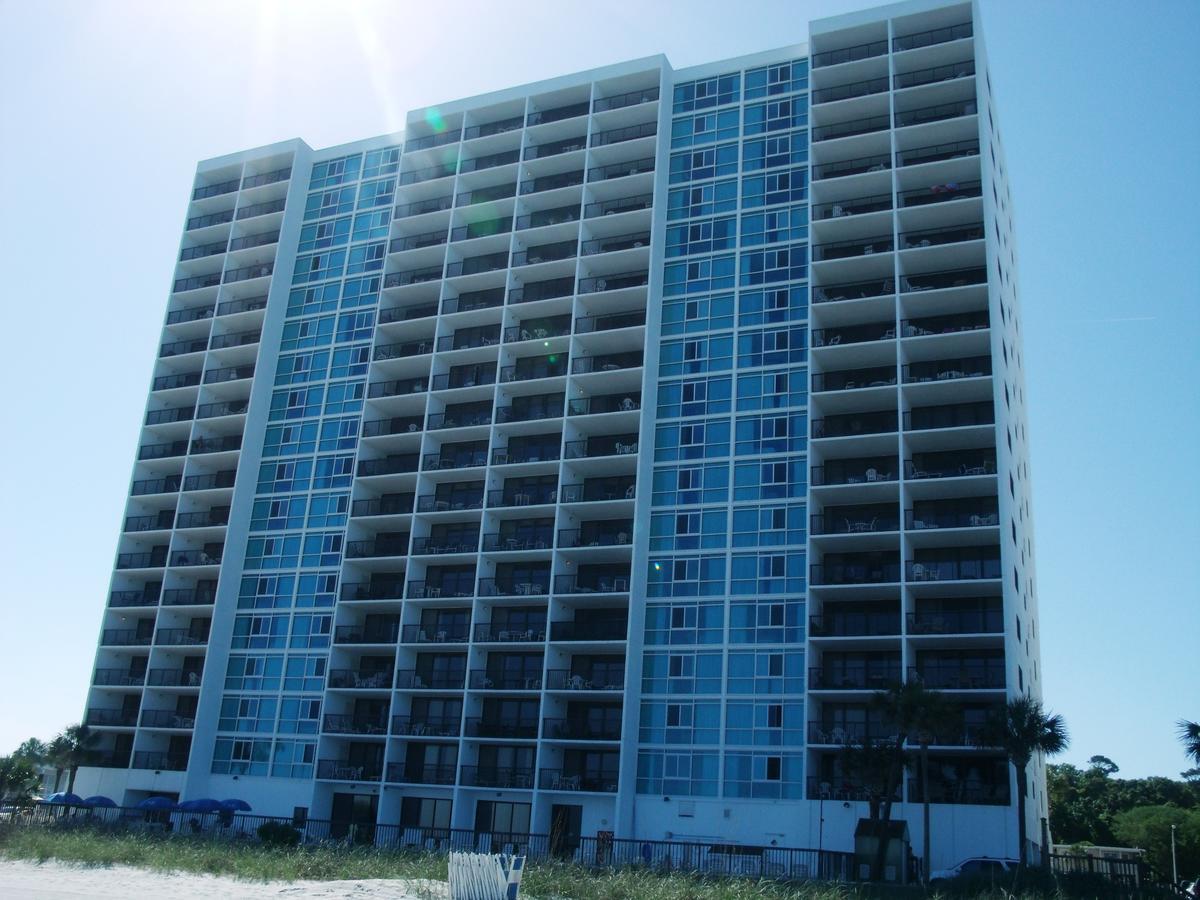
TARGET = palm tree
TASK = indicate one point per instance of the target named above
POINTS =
(18, 780)
(57, 752)
(918, 715)
(80, 743)
(1189, 734)
(1021, 729)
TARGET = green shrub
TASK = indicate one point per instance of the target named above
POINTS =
(277, 834)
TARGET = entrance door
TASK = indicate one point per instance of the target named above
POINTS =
(354, 815)
(566, 823)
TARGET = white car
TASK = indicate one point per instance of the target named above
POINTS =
(976, 865)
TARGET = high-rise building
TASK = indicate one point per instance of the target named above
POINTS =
(584, 458)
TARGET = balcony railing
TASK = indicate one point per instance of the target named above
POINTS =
(575, 537)
(929, 38)
(531, 586)
(849, 54)
(355, 724)
(217, 218)
(538, 330)
(957, 621)
(446, 502)
(498, 127)
(420, 207)
(955, 415)
(378, 548)
(580, 730)
(458, 418)
(620, 101)
(621, 169)
(507, 456)
(411, 680)
(179, 348)
(413, 276)
(557, 114)
(260, 209)
(618, 205)
(196, 282)
(619, 135)
(189, 596)
(543, 290)
(603, 403)
(146, 486)
(954, 465)
(836, 574)
(113, 718)
(447, 461)
(435, 634)
(850, 91)
(215, 190)
(262, 239)
(938, 236)
(428, 173)
(372, 590)
(154, 560)
(859, 290)
(599, 630)
(253, 181)
(210, 482)
(476, 265)
(983, 674)
(202, 251)
(139, 598)
(554, 148)
(934, 281)
(954, 570)
(397, 388)
(188, 678)
(517, 729)
(867, 624)
(118, 678)
(550, 183)
(540, 219)
(486, 194)
(485, 228)
(394, 425)
(375, 633)
(592, 493)
(228, 373)
(593, 448)
(405, 773)
(630, 241)
(853, 248)
(225, 408)
(167, 718)
(148, 523)
(939, 113)
(851, 521)
(494, 777)
(472, 300)
(363, 680)
(433, 140)
(609, 362)
(591, 584)
(567, 680)
(502, 543)
(417, 241)
(948, 72)
(564, 780)
(169, 382)
(491, 633)
(180, 637)
(855, 127)
(482, 680)
(937, 153)
(160, 762)
(850, 424)
(402, 350)
(947, 324)
(217, 444)
(545, 253)
(852, 379)
(349, 770)
(856, 206)
(426, 726)
(435, 546)
(870, 677)
(853, 334)
(248, 304)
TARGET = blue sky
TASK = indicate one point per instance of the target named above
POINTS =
(106, 107)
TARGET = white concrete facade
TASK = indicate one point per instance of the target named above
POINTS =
(399, 546)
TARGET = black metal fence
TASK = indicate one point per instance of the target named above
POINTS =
(597, 852)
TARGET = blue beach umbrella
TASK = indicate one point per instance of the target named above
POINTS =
(235, 805)
(158, 803)
(65, 798)
(99, 800)
(201, 805)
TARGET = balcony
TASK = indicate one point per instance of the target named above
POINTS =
(558, 114)
(482, 680)
(630, 241)
(853, 573)
(210, 557)
(355, 724)
(841, 733)
(630, 98)
(196, 282)
(855, 248)
(402, 350)
(495, 777)
(397, 388)
(349, 770)
(262, 239)
(488, 633)
(852, 379)
(426, 726)
(362, 680)
(543, 290)
(205, 596)
(855, 127)
(939, 193)
(433, 140)
(134, 599)
(598, 490)
(265, 178)
(878, 676)
(394, 425)
(849, 54)
(465, 377)
(856, 206)
(554, 148)
(435, 634)
(260, 209)
(859, 290)
(955, 323)
(953, 415)
(393, 464)
(485, 228)
(937, 153)
(534, 586)
(956, 621)
(850, 91)
(373, 633)
(568, 680)
(160, 522)
(531, 409)
(159, 762)
(229, 373)
(954, 569)
(446, 543)
(428, 173)
(167, 718)
(859, 624)
(410, 679)
(970, 675)
(603, 403)
(606, 362)
(620, 135)
(501, 542)
(853, 334)
(215, 190)
(596, 447)
(180, 348)
(935, 75)
(939, 113)
(580, 730)
(593, 630)
(596, 537)
(155, 559)
(498, 127)
(621, 169)
(154, 486)
(617, 206)
(181, 637)
(461, 500)
(413, 276)
(515, 454)
(380, 547)
(417, 241)
(249, 304)
(936, 237)
(544, 253)
(170, 382)
(990, 793)
(929, 38)
(376, 589)
(421, 207)
(118, 678)
(610, 322)
(855, 520)
(186, 678)
(406, 773)
(591, 584)
(225, 408)
(111, 718)
(388, 505)
(534, 367)
(854, 424)
(934, 281)
(442, 587)
(561, 780)
(469, 301)
(486, 195)
(551, 183)
(214, 481)
(452, 458)
(558, 216)
(216, 445)
(956, 464)
(191, 314)
(513, 729)
(206, 221)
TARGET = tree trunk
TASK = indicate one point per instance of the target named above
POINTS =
(58, 773)
(928, 867)
(1021, 813)
(71, 779)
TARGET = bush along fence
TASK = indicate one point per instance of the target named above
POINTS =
(601, 851)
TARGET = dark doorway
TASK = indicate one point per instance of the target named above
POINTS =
(566, 823)
(354, 815)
